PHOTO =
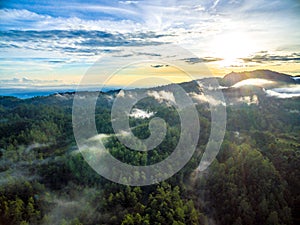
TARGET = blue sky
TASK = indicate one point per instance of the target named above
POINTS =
(57, 41)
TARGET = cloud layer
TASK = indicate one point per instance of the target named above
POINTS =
(285, 92)
(43, 38)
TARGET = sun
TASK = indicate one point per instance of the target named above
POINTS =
(232, 47)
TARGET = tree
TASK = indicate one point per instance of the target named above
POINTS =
(273, 219)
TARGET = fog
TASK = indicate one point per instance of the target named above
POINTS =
(138, 113)
(284, 92)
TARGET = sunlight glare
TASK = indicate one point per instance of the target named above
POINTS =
(232, 47)
(252, 82)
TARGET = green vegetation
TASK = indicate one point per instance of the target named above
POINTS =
(255, 178)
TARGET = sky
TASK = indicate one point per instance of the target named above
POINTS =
(56, 43)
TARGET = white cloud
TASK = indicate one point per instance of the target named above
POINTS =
(138, 113)
(19, 14)
(121, 94)
(293, 89)
(252, 82)
(186, 23)
(27, 20)
(25, 82)
(162, 96)
(216, 2)
(201, 98)
(199, 8)
(249, 100)
(128, 2)
(285, 92)
(281, 95)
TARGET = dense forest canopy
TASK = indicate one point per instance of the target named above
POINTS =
(255, 178)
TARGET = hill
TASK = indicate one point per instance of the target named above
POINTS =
(45, 180)
(233, 77)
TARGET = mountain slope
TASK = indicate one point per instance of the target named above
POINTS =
(233, 77)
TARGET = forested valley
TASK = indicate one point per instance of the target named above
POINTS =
(44, 179)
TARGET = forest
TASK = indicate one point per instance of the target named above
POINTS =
(255, 178)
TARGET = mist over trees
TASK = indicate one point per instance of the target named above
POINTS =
(45, 180)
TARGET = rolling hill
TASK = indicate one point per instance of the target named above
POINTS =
(233, 77)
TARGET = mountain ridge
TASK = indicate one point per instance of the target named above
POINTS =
(235, 77)
(226, 83)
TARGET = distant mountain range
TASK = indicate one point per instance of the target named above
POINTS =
(233, 77)
(282, 86)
